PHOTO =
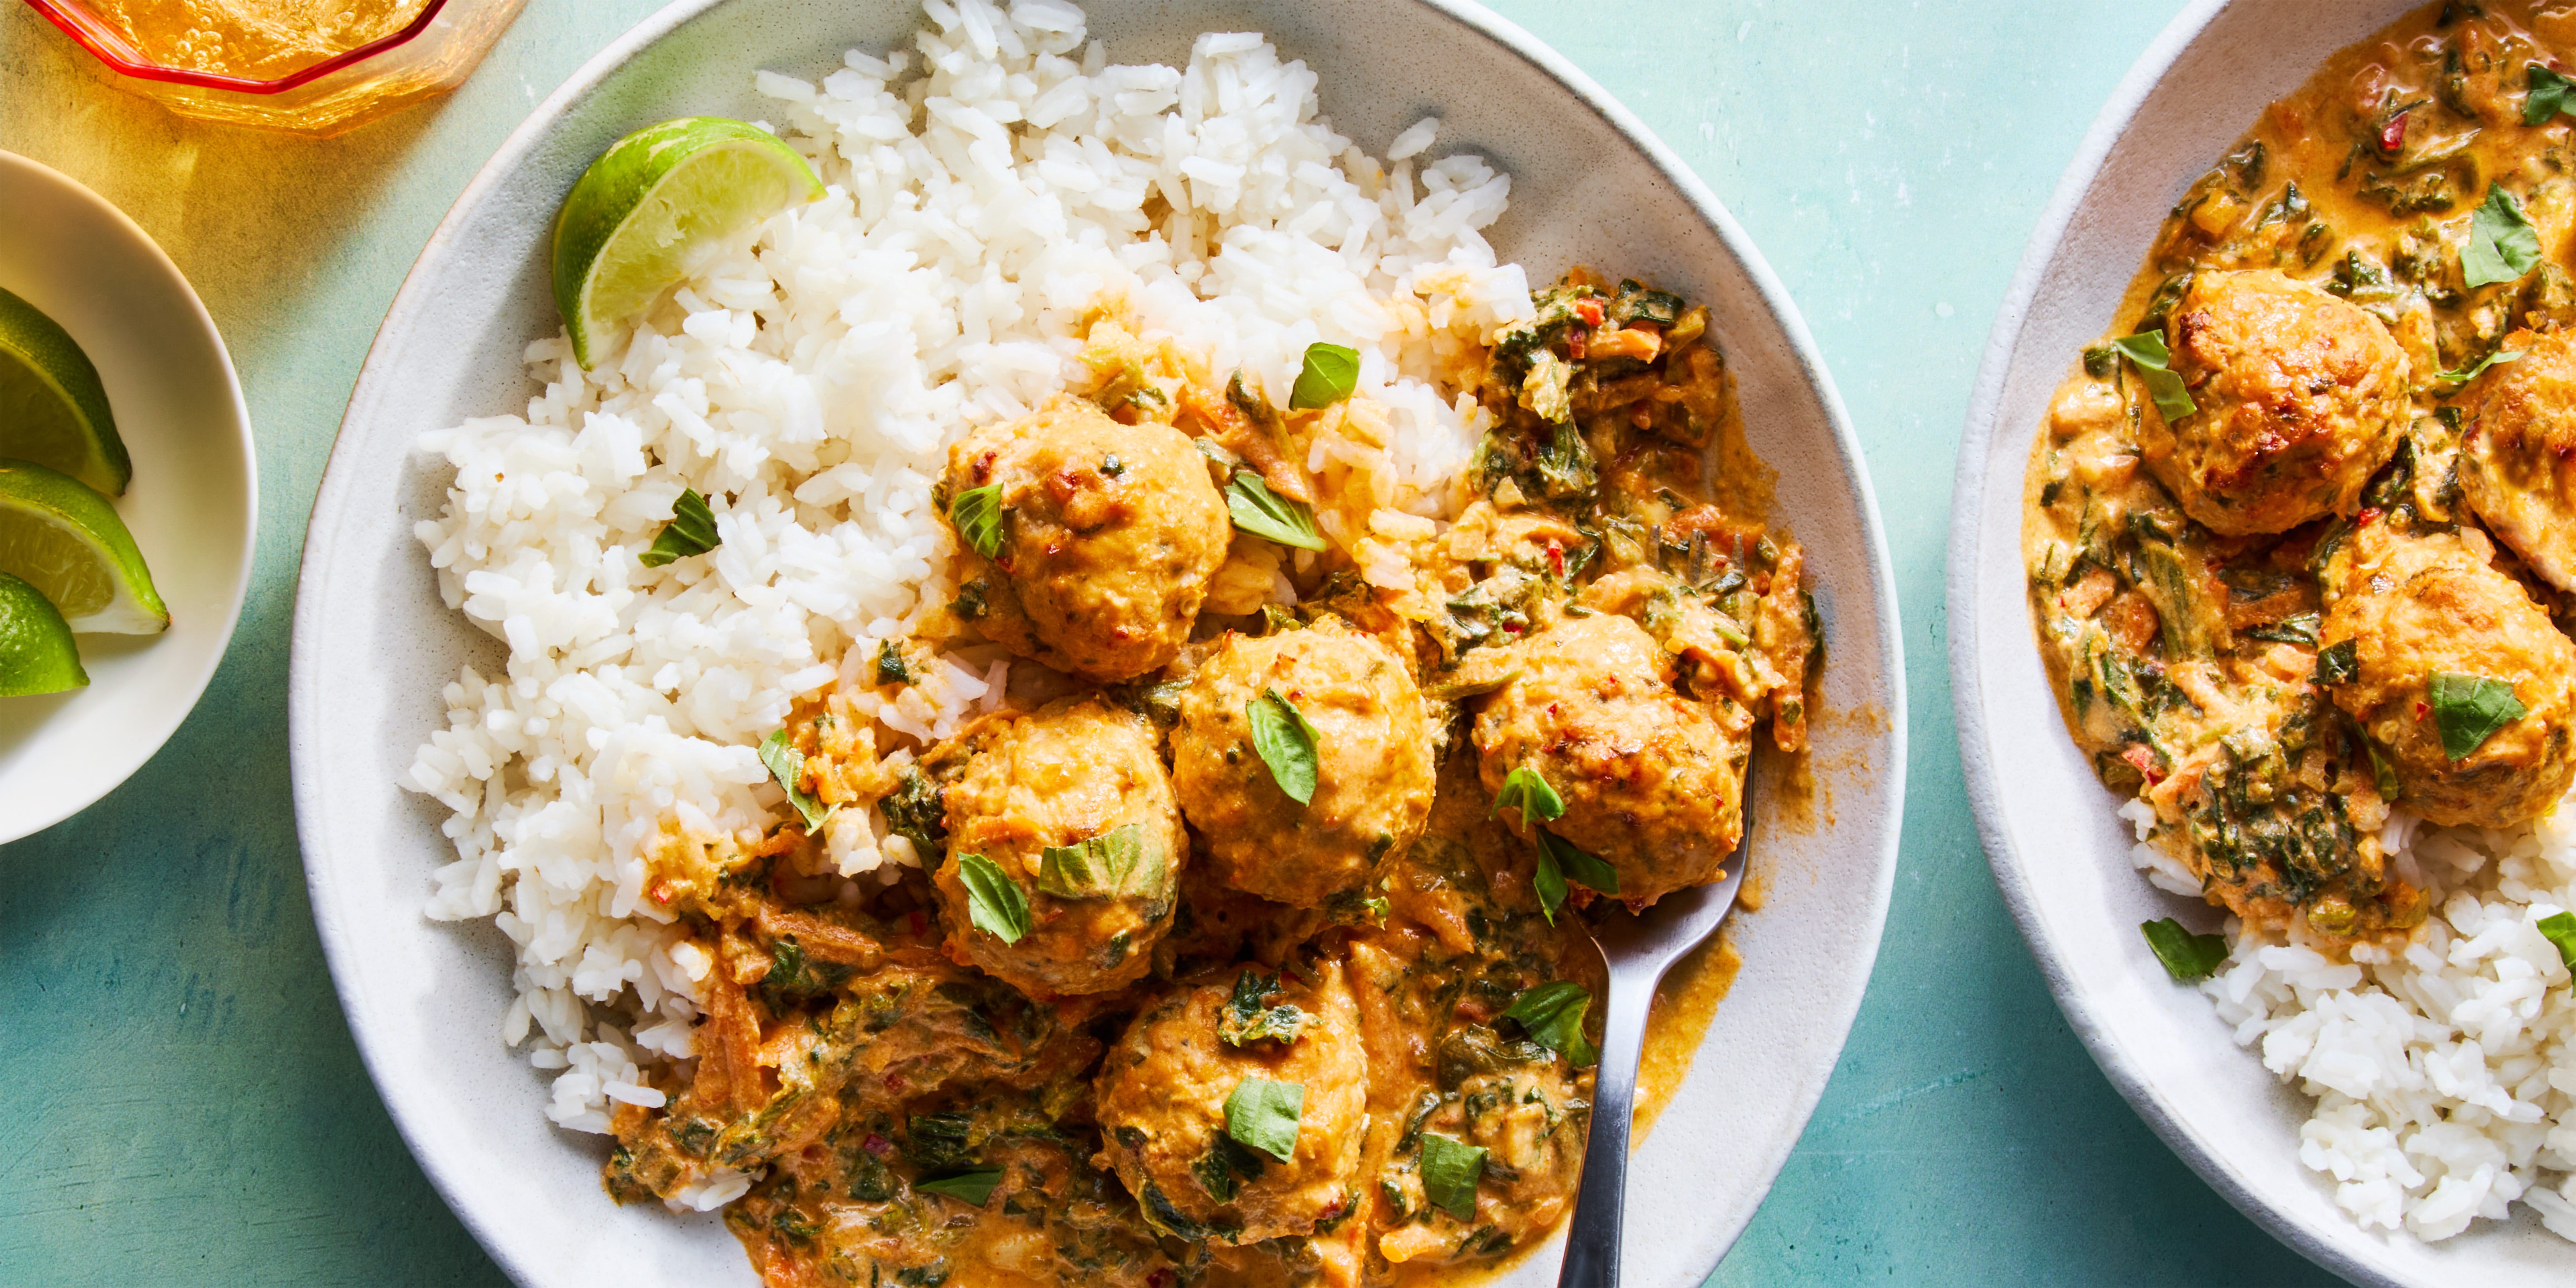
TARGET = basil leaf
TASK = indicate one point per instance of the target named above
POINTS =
(993, 901)
(1247, 1017)
(787, 767)
(2146, 351)
(2468, 709)
(1552, 1015)
(2466, 374)
(2547, 97)
(1330, 373)
(2560, 927)
(977, 512)
(1286, 742)
(1524, 789)
(973, 1186)
(1549, 881)
(1117, 864)
(1270, 516)
(2339, 663)
(1262, 1115)
(1577, 865)
(2186, 956)
(2502, 243)
(1450, 1170)
(691, 531)
(891, 668)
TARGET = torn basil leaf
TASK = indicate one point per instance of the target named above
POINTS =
(2502, 243)
(2468, 709)
(1450, 1170)
(691, 531)
(1247, 1017)
(1552, 1015)
(2560, 928)
(977, 512)
(1286, 741)
(2548, 96)
(972, 1186)
(2146, 351)
(1117, 864)
(993, 901)
(1262, 1115)
(1331, 372)
(1579, 866)
(787, 766)
(1524, 789)
(1270, 516)
(2466, 374)
(1548, 880)
(2186, 956)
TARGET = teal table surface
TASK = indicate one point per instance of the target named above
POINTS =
(182, 1100)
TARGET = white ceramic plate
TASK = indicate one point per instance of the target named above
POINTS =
(192, 505)
(2058, 852)
(373, 645)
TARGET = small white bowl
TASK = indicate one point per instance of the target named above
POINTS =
(193, 504)
(373, 643)
(2059, 853)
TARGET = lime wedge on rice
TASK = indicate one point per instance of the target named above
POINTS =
(53, 410)
(66, 541)
(37, 654)
(648, 209)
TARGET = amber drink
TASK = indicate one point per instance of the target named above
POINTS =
(315, 67)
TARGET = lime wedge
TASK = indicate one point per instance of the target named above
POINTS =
(648, 209)
(66, 540)
(53, 411)
(37, 654)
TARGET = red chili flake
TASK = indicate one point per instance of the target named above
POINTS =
(1161, 1278)
(1575, 340)
(1588, 309)
(894, 1083)
(1511, 628)
(2369, 514)
(2392, 136)
(2421, 710)
(878, 1145)
(2145, 761)
(1556, 556)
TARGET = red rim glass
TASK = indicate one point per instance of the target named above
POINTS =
(112, 49)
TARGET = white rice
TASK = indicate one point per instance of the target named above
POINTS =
(986, 189)
(2445, 1074)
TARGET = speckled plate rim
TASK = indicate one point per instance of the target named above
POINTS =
(1703, 1236)
(2159, 1077)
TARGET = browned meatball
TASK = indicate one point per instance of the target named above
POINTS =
(2518, 451)
(1373, 779)
(1082, 779)
(1653, 782)
(2409, 609)
(1164, 1087)
(2302, 396)
(1108, 537)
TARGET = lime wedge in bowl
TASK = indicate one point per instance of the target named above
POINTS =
(37, 653)
(65, 539)
(53, 410)
(651, 205)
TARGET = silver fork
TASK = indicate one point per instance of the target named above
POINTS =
(1638, 948)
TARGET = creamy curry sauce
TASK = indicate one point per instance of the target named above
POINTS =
(2186, 662)
(913, 1120)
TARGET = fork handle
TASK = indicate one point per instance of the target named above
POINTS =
(1592, 1237)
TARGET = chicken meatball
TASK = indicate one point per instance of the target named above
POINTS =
(1373, 770)
(2419, 629)
(1165, 1087)
(1103, 538)
(1071, 807)
(2302, 396)
(2518, 451)
(1652, 781)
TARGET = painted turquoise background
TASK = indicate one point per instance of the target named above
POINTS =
(179, 1098)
